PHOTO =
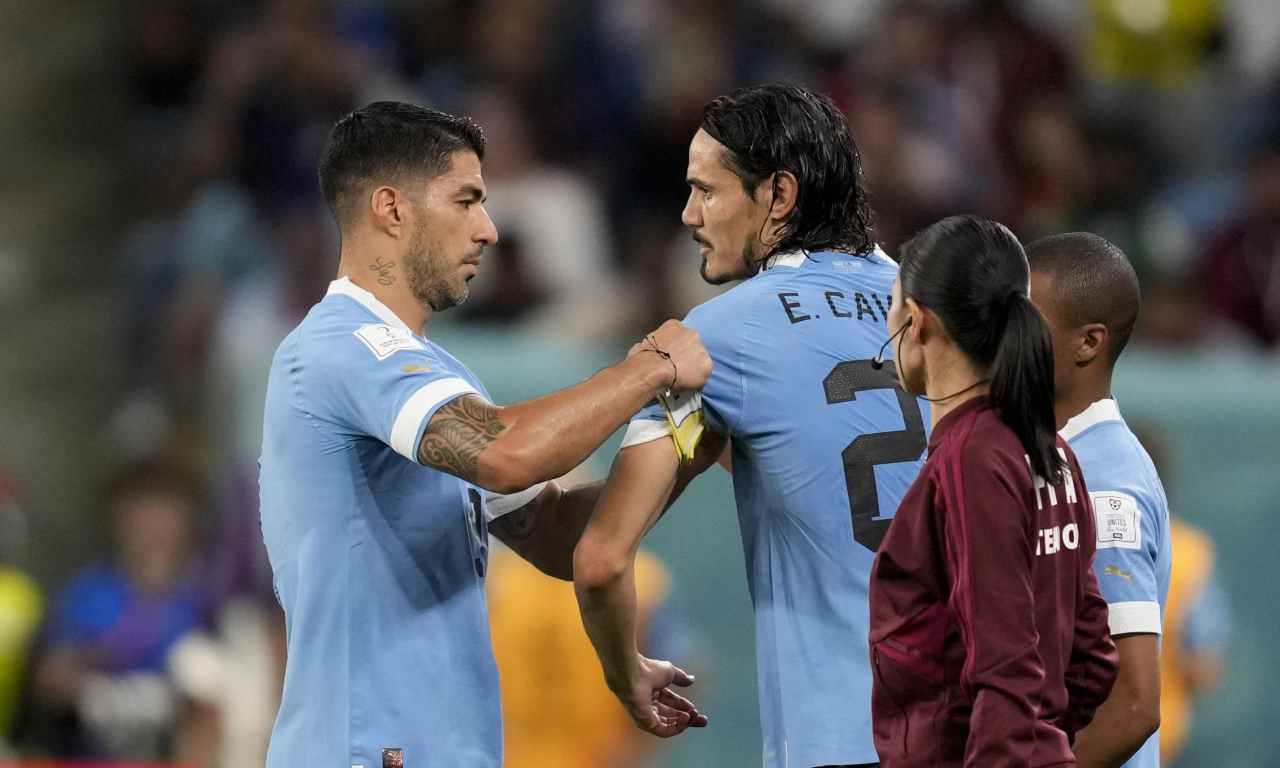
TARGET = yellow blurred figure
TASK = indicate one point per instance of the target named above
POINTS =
(1159, 42)
(556, 710)
(1195, 629)
(21, 608)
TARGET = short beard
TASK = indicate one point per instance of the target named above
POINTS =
(750, 266)
(428, 278)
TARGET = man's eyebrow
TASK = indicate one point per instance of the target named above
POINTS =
(472, 191)
(694, 181)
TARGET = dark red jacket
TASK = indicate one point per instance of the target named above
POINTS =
(989, 639)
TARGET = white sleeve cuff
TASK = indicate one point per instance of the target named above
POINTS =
(643, 431)
(498, 504)
(1135, 617)
(407, 427)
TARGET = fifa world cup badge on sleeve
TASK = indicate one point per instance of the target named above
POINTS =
(392, 757)
(684, 414)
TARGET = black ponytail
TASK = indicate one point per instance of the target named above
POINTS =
(974, 275)
(1022, 384)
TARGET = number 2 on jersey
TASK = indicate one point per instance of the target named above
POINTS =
(861, 456)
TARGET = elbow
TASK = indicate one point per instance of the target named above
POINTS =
(597, 567)
(1144, 716)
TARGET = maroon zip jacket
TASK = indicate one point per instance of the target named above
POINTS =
(989, 639)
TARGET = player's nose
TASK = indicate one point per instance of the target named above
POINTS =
(691, 216)
(488, 231)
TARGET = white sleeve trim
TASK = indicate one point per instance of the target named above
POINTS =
(404, 431)
(498, 504)
(643, 431)
(1134, 617)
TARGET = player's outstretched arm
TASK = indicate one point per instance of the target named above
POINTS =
(507, 449)
(1131, 713)
(546, 530)
(644, 480)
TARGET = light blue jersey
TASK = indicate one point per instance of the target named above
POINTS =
(1133, 555)
(824, 447)
(378, 561)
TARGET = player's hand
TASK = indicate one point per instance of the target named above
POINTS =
(692, 363)
(653, 705)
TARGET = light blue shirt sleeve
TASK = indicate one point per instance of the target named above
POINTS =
(723, 398)
(384, 382)
(1128, 545)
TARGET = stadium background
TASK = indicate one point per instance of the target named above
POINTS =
(160, 229)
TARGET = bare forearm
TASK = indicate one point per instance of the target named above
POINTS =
(1119, 729)
(634, 497)
(1128, 717)
(609, 616)
(549, 436)
(546, 531)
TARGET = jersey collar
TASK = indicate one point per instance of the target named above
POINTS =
(793, 259)
(344, 287)
(1103, 410)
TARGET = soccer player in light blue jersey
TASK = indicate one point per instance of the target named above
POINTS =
(1089, 295)
(384, 466)
(823, 442)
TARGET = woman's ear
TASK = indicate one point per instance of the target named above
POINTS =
(916, 320)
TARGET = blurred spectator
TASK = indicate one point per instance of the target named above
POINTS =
(565, 257)
(103, 673)
(1240, 270)
(21, 608)
(1197, 626)
(544, 656)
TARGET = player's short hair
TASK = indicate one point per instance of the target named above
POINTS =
(770, 128)
(1094, 282)
(387, 141)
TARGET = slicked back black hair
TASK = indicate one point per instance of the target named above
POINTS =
(974, 275)
(770, 128)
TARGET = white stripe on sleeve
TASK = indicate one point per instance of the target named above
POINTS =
(1134, 617)
(498, 504)
(404, 431)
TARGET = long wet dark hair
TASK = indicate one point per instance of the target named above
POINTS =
(770, 128)
(973, 274)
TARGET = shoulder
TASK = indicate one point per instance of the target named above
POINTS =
(1113, 460)
(983, 439)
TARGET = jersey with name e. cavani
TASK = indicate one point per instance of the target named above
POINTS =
(378, 561)
(824, 445)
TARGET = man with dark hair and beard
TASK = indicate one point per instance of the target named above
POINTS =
(822, 441)
(385, 465)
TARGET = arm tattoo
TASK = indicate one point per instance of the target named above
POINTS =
(518, 525)
(458, 433)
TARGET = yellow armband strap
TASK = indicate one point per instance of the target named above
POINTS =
(684, 415)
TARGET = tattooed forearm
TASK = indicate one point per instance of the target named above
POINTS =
(518, 525)
(458, 433)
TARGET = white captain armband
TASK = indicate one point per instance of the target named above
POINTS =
(498, 504)
(685, 424)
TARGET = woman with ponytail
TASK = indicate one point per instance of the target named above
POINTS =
(989, 639)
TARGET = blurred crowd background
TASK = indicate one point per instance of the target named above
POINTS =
(161, 230)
